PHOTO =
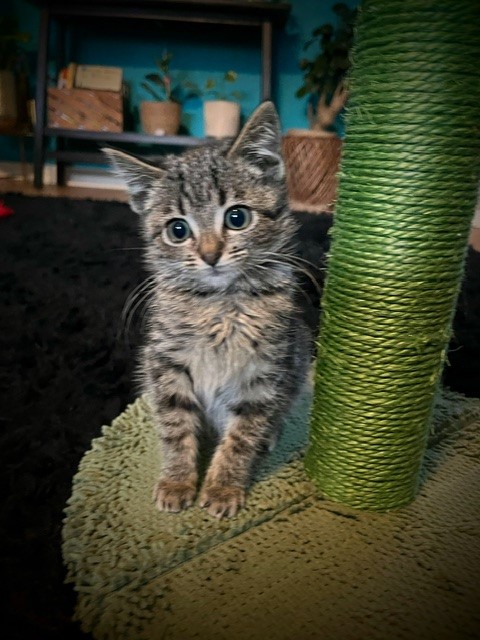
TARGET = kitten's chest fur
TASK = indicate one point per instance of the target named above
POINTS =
(228, 347)
(222, 362)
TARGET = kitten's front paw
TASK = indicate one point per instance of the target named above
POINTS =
(222, 501)
(173, 496)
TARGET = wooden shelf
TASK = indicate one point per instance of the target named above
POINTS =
(65, 155)
(94, 157)
(123, 136)
(215, 11)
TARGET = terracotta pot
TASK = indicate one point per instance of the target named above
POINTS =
(221, 118)
(160, 118)
(8, 100)
(311, 161)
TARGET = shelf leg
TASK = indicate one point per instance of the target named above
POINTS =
(61, 165)
(266, 80)
(61, 62)
(40, 100)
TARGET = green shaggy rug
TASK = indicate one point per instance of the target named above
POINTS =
(291, 564)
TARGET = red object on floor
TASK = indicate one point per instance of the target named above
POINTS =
(4, 210)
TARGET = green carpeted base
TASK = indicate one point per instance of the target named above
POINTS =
(290, 564)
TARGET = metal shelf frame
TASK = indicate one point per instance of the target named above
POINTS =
(259, 15)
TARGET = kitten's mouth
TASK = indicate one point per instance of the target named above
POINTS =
(214, 270)
(219, 276)
(216, 273)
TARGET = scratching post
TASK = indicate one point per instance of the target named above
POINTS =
(406, 199)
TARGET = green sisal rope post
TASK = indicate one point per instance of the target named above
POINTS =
(406, 198)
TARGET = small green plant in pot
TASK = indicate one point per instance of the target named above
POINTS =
(324, 74)
(162, 115)
(221, 89)
(221, 107)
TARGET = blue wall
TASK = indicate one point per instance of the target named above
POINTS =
(197, 55)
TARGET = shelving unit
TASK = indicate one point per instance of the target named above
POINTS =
(262, 16)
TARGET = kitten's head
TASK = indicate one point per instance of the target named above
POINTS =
(216, 217)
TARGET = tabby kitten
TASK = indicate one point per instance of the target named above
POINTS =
(227, 347)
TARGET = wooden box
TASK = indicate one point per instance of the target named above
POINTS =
(87, 109)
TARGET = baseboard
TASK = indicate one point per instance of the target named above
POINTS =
(88, 177)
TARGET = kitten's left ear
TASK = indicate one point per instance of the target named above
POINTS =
(259, 142)
(139, 176)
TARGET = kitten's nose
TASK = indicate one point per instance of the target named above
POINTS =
(211, 257)
(210, 249)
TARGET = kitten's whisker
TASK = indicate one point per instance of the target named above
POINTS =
(141, 301)
(144, 317)
(297, 268)
(128, 249)
(295, 285)
(293, 260)
(317, 267)
(140, 291)
(245, 276)
(137, 291)
(238, 251)
(293, 256)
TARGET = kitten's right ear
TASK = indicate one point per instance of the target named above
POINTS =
(139, 176)
(259, 142)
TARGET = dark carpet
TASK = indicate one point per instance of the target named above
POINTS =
(67, 269)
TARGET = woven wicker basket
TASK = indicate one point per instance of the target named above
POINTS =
(312, 159)
(160, 118)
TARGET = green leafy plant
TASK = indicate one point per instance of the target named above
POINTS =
(214, 89)
(324, 75)
(11, 41)
(162, 85)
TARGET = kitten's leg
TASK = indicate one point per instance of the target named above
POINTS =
(178, 417)
(248, 431)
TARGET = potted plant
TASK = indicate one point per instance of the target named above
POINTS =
(162, 115)
(221, 114)
(12, 75)
(312, 156)
(324, 75)
(221, 108)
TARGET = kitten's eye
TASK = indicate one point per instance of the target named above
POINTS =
(178, 231)
(238, 217)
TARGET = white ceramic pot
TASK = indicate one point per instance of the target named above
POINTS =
(221, 118)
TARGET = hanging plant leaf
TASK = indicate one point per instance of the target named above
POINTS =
(155, 78)
(149, 90)
(231, 76)
(324, 72)
(324, 30)
(302, 92)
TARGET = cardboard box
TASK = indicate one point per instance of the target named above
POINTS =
(85, 109)
(89, 76)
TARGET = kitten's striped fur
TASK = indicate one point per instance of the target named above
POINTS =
(226, 343)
